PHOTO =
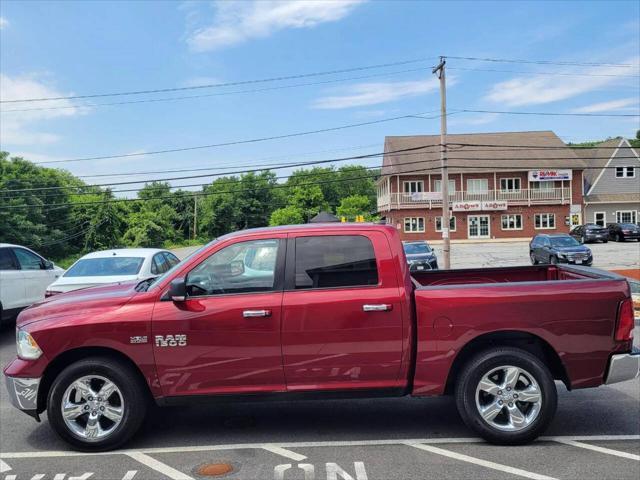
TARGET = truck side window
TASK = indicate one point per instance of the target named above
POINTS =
(335, 261)
(239, 268)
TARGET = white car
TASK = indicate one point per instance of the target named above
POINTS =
(24, 278)
(113, 266)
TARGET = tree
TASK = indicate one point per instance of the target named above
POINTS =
(308, 200)
(325, 177)
(290, 215)
(353, 206)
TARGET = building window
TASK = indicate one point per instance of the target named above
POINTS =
(477, 185)
(414, 186)
(510, 184)
(452, 224)
(545, 221)
(512, 222)
(625, 172)
(543, 185)
(414, 224)
(626, 216)
(437, 186)
(599, 218)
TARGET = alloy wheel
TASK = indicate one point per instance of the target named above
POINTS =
(508, 398)
(92, 407)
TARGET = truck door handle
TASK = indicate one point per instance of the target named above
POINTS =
(383, 307)
(256, 313)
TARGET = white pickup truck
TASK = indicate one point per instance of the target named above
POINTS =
(24, 277)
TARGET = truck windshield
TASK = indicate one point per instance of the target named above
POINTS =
(416, 248)
(158, 280)
(564, 242)
(105, 267)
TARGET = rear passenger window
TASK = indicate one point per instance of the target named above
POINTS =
(7, 261)
(335, 261)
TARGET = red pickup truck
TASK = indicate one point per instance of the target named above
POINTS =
(326, 310)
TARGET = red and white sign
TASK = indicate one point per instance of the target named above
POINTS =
(549, 175)
(479, 206)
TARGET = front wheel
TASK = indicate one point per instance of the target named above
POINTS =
(534, 260)
(506, 395)
(553, 260)
(96, 404)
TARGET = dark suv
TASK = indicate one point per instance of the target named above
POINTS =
(590, 233)
(623, 231)
(420, 256)
(558, 248)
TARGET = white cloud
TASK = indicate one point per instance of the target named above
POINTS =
(240, 20)
(3, 23)
(17, 127)
(541, 89)
(375, 93)
(621, 104)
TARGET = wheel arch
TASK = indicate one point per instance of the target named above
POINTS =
(527, 341)
(63, 360)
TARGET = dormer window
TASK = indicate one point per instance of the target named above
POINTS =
(625, 172)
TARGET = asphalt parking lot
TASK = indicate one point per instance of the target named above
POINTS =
(596, 434)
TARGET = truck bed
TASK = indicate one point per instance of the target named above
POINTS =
(572, 308)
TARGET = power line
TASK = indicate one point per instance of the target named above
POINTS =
(187, 97)
(274, 187)
(545, 73)
(540, 62)
(218, 85)
(561, 114)
(237, 142)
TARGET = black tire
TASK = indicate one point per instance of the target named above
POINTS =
(605, 241)
(134, 393)
(553, 260)
(619, 238)
(483, 363)
(534, 260)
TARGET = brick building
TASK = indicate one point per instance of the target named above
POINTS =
(501, 185)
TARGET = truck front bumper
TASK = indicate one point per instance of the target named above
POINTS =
(623, 367)
(23, 394)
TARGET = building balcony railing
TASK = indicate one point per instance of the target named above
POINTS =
(525, 196)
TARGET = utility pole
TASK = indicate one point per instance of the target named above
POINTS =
(195, 216)
(446, 217)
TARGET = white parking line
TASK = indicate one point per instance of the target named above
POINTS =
(158, 466)
(479, 461)
(597, 448)
(4, 466)
(284, 452)
(295, 445)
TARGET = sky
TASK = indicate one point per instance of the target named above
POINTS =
(61, 49)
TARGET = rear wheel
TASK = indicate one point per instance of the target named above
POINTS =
(534, 260)
(96, 404)
(507, 396)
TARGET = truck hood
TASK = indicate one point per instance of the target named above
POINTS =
(576, 249)
(420, 256)
(82, 302)
(67, 284)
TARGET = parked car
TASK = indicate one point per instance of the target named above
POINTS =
(590, 233)
(621, 232)
(557, 248)
(24, 277)
(420, 256)
(112, 266)
(333, 311)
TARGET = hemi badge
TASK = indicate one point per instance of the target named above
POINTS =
(138, 339)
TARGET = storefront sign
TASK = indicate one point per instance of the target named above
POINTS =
(478, 206)
(549, 175)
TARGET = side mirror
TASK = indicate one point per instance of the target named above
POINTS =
(47, 265)
(177, 290)
(236, 268)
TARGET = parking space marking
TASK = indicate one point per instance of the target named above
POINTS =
(158, 466)
(479, 461)
(4, 466)
(295, 445)
(596, 448)
(284, 452)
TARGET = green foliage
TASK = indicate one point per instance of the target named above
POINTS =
(88, 218)
(290, 215)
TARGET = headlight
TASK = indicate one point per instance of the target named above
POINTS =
(563, 255)
(27, 347)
